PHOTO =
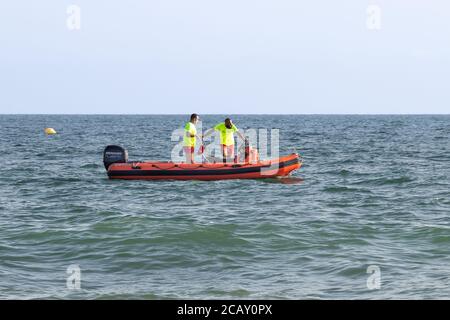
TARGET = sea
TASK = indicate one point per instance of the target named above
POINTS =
(367, 216)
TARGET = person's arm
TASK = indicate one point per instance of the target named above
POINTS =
(240, 135)
(208, 132)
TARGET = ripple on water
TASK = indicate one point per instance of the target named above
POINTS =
(363, 197)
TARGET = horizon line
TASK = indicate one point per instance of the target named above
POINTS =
(219, 114)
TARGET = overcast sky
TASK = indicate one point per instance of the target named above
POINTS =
(225, 56)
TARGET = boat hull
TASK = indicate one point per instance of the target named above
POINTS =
(149, 170)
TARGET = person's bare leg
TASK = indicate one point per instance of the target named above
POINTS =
(224, 153)
(189, 156)
(230, 153)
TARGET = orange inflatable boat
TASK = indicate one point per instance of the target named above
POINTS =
(116, 162)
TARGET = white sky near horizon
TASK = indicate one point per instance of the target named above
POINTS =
(225, 57)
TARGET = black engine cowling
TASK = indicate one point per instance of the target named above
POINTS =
(114, 154)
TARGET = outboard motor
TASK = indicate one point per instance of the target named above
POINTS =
(114, 154)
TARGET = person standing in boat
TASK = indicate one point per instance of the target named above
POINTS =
(190, 133)
(227, 130)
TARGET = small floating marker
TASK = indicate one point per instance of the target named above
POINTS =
(50, 131)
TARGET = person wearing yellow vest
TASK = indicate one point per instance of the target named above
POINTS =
(190, 133)
(227, 130)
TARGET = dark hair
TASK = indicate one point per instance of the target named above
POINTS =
(227, 119)
(193, 116)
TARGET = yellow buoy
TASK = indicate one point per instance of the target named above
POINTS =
(50, 131)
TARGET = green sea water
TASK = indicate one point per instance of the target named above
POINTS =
(373, 191)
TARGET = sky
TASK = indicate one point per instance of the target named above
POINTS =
(225, 57)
